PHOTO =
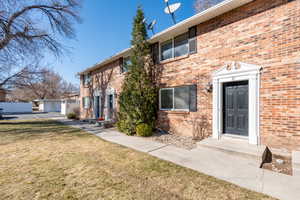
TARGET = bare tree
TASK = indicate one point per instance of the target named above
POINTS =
(46, 85)
(201, 5)
(29, 28)
(100, 83)
(11, 76)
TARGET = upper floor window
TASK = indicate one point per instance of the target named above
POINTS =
(126, 64)
(86, 79)
(181, 45)
(166, 50)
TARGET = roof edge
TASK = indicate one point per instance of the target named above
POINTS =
(217, 10)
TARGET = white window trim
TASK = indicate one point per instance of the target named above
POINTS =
(172, 109)
(237, 71)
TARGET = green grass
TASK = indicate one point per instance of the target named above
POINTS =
(47, 160)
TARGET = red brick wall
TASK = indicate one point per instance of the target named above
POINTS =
(110, 76)
(263, 32)
(266, 33)
(2, 95)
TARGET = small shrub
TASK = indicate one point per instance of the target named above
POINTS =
(77, 112)
(144, 130)
(72, 116)
(125, 127)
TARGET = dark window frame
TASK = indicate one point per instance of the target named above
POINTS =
(124, 65)
(86, 79)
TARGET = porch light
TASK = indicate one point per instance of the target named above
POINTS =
(209, 87)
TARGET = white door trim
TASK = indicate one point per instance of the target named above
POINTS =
(237, 71)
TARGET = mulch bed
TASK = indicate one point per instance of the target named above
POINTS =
(284, 168)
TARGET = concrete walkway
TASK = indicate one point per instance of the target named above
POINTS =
(240, 171)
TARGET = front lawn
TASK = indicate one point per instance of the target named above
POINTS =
(47, 160)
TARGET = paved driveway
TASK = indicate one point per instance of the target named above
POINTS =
(31, 116)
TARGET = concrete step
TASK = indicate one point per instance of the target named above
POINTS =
(296, 163)
(235, 147)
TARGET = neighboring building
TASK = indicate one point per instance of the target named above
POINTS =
(50, 105)
(233, 69)
(74, 96)
(2, 95)
(70, 104)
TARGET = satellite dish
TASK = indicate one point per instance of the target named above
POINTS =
(144, 20)
(151, 26)
(172, 8)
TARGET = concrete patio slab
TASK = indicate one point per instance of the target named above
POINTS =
(136, 143)
(215, 163)
(236, 146)
(281, 186)
(296, 163)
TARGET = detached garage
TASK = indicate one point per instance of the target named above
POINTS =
(50, 105)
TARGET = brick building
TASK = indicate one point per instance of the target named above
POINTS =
(232, 70)
(2, 95)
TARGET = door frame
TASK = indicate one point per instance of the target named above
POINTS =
(109, 91)
(234, 133)
(237, 71)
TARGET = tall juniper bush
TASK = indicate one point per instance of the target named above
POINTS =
(138, 99)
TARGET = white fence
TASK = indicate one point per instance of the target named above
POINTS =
(68, 106)
(50, 106)
(11, 107)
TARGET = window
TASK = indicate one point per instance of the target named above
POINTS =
(181, 45)
(179, 98)
(167, 50)
(86, 79)
(126, 64)
(166, 96)
(86, 102)
(155, 52)
(193, 40)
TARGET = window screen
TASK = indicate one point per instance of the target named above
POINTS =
(181, 45)
(167, 50)
(181, 98)
(166, 98)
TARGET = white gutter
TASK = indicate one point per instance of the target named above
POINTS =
(181, 27)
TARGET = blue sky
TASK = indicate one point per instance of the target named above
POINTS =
(106, 30)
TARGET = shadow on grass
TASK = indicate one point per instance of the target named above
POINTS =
(8, 118)
(40, 129)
